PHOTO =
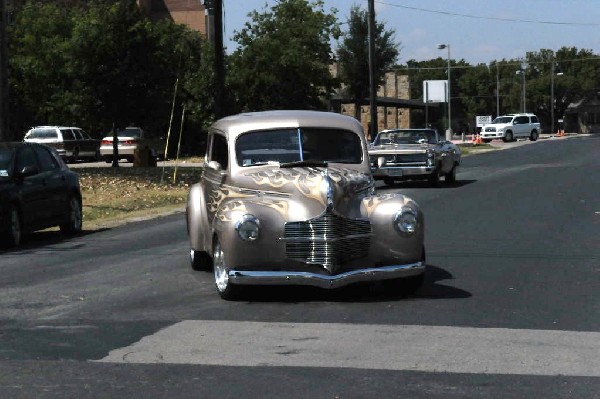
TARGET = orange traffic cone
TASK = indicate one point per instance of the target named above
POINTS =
(479, 140)
(473, 139)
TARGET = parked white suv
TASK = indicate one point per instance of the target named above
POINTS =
(71, 143)
(511, 126)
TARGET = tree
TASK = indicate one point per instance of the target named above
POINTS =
(284, 57)
(353, 55)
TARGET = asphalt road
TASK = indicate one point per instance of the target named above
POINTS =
(510, 307)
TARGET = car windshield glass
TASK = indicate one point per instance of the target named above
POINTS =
(294, 145)
(43, 134)
(5, 162)
(130, 133)
(405, 137)
(503, 119)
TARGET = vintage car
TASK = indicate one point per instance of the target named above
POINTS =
(287, 197)
(413, 154)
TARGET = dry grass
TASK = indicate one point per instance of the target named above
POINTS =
(114, 195)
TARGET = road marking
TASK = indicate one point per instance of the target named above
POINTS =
(385, 347)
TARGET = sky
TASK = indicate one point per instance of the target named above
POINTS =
(477, 31)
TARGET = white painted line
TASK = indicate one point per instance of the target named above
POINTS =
(385, 347)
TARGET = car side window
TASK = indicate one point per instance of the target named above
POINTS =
(67, 134)
(46, 161)
(521, 120)
(25, 157)
(78, 135)
(219, 151)
(534, 119)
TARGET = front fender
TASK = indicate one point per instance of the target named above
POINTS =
(389, 246)
(198, 226)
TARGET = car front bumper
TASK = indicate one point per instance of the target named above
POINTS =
(243, 277)
(402, 171)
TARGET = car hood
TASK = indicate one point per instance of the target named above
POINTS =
(309, 190)
(399, 148)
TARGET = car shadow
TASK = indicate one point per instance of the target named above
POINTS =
(424, 184)
(45, 238)
(359, 292)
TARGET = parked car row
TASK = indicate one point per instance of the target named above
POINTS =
(73, 143)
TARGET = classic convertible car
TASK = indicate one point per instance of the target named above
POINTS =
(412, 154)
(287, 197)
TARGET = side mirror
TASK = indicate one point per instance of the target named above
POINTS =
(214, 165)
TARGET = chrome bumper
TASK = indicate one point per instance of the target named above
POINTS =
(400, 171)
(325, 281)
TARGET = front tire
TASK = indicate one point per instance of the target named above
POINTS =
(451, 176)
(406, 285)
(225, 289)
(14, 230)
(508, 137)
(533, 136)
(200, 260)
(434, 178)
(75, 219)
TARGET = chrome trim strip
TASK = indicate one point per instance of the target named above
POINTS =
(243, 277)
(326, 239)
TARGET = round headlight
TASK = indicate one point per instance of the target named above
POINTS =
(405, 220)
(248, 228)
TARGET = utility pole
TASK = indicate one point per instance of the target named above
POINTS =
(373, 85)
(219, 61)
(4, 134)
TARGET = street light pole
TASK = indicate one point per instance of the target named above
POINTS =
(373, 125)
(4, 135)
(448, 94)
(552, 73)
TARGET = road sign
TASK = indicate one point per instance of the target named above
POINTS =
(481, 120)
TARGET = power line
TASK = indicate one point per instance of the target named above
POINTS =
(453, 14)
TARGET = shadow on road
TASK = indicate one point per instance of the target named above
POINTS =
(46, 238)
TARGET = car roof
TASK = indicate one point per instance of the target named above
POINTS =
(234, 125)
(54, 127)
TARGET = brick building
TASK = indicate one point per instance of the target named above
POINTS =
(187, 12)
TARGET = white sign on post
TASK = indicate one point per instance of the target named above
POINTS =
(435, 91)
(481, 120)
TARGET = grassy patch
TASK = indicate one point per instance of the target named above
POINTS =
(111, 195)
(469, 148)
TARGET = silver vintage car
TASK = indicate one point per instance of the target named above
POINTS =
(287, 197)
(413, 154)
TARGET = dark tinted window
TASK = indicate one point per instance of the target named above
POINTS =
(77, 134)
(25, 157)
(219, 151)
(67, 134)
(520, 120)
(45, 159)
(534, 119)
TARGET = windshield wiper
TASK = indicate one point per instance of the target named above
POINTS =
(303, 163)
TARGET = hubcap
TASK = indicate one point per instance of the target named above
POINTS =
(221, 276)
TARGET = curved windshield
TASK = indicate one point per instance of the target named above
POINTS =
(406, 136)
(298, 145)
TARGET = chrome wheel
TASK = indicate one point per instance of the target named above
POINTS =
(75, 218)
(225, 289)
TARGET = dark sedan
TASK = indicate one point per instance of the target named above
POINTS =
(37, 191)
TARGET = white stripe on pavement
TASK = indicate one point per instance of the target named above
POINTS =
(386, 347)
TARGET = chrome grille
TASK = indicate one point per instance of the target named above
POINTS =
(411, 158)
(329, 240)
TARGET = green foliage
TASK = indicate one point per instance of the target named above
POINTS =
(102, 62)
(353, 54)
(284, 57)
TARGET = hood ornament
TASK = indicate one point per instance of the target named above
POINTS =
(327, 189)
